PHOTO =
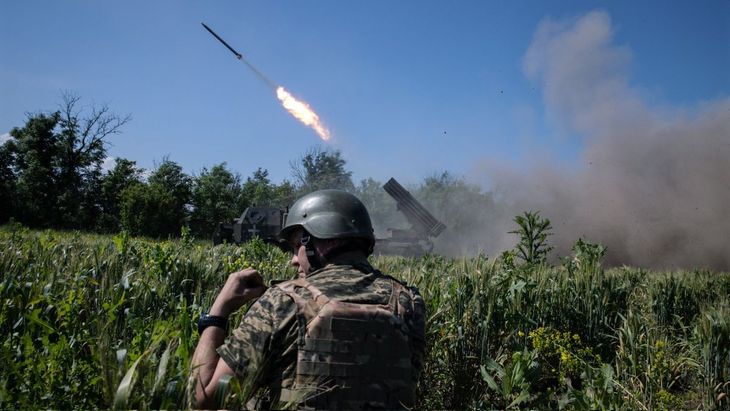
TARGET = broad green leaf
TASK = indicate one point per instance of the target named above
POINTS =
(124, 389)
(488, 379)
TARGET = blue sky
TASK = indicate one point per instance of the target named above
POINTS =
(407, 88)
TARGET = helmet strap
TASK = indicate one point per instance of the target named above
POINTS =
(314, 259)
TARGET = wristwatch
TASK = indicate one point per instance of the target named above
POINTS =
(206, 321)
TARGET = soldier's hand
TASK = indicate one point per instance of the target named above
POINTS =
(240, 288)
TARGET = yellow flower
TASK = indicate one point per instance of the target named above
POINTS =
(520, 334)
(564, 357)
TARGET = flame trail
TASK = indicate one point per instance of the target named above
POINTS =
(299, 109)
(302, 112)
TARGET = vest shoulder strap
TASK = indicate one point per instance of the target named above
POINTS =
(305, 306)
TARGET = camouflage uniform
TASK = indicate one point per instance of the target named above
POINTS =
(263, 350)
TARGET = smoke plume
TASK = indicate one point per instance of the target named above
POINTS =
(654, 182)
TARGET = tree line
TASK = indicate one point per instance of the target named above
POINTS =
(52, 176)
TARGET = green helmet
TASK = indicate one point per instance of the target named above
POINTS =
(329, 214)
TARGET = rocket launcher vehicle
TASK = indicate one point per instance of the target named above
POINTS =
(417, 239)
(266, 222)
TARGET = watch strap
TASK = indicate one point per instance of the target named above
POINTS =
(206, 321)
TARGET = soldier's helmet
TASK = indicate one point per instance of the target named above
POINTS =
(329, 214)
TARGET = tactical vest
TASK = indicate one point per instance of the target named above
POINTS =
(350, 355)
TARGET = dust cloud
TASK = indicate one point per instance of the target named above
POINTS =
(653, 183)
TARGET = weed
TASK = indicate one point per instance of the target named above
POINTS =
(533, 231)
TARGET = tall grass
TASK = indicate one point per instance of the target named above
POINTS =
(98, 321)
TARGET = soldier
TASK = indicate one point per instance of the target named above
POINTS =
(340, 336)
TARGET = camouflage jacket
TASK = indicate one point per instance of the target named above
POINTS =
(262, 350)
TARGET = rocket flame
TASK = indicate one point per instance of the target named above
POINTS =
(302, 112)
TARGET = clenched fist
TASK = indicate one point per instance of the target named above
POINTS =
(240, 288)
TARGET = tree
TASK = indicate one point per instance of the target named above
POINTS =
(319, 169)
(216, 197)
(158, 208)
(382, 208)
(171, 184)
(8, 181)
(56, 159)
(471, 216)
(259, 190)
(124, 174)
(82, 141)
(170, 176)
(284, 194)
(146, 210)
(34, 155)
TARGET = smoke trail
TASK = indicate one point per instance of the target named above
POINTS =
(258, 73)
(655, 183)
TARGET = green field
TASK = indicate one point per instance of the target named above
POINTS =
(93, 321)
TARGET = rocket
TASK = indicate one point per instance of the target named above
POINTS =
(239, 56)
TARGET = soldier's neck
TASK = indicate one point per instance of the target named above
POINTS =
(348, 257)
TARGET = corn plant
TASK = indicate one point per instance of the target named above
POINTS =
(92, 321)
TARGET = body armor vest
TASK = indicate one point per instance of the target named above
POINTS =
(350, 355)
